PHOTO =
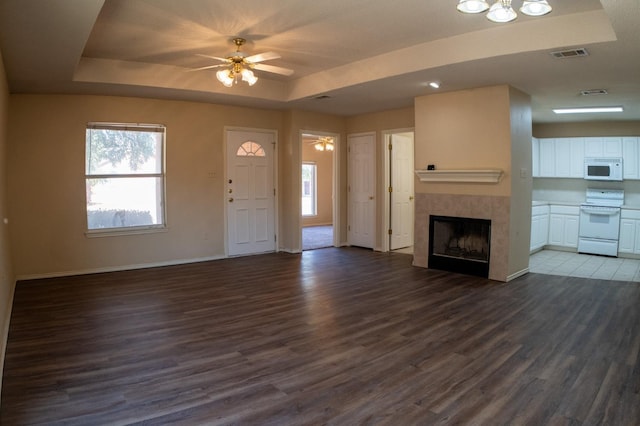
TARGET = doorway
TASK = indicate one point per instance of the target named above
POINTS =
(399, 177)
(318, 155)
(250, 192)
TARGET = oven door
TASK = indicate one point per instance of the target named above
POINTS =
(599, 222)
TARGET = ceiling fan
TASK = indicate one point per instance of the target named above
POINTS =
(324, 143)
(238, 66)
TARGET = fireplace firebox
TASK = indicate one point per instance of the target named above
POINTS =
(460, 244)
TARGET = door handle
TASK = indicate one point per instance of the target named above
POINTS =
(231, 200)
(410, 197)
(371, 198)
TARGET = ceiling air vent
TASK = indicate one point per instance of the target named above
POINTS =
(320, 97)
(571, 53)
(593, 92)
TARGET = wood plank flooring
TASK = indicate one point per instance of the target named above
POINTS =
(332, 336)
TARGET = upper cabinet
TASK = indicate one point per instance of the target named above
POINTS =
(603, 147)
(564, 157)
(630, 157)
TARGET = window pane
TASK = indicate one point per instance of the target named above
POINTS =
(124, 202)
(309, 189)
(250, 149)
(123, 152)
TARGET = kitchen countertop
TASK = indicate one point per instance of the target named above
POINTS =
(567, 203)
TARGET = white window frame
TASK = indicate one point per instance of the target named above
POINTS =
(128, 230)
(314, 188)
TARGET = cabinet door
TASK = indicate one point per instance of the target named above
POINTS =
(535, 233)
(571, 225)
(556, 229)
(544, 230)
(626, 244)
(547, 158)
(562, 157)
(612, 146)
(630, 158)
(535, 157)
(577, 157)
(593, 147)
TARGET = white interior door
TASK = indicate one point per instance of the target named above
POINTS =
(250, 192)
(402, 190)
(362, 190)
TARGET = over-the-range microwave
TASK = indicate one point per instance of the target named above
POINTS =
(603, 168)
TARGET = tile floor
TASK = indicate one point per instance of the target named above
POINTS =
(584, 265)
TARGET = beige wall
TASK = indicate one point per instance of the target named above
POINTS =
(46, 181)
(7, 279)
(324, 163)
(295, 123)
(378, 123)
(521, 182)
(469, 129)
(586, 128)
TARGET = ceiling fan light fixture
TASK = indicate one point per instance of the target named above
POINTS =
(472, 6)
(248, 76)
(501, 12)
(535, 7)
(225, 77)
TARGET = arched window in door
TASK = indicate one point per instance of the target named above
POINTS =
(250, 149)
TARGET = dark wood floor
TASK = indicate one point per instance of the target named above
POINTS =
(335, 336)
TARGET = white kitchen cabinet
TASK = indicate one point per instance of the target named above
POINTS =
(603, 147)
(535, 157)
(629, 240)
(569, 157)
(539, 227)
(630, 157)
(547, 157)
(563, 225)
(561, 157)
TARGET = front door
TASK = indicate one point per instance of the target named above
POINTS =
(362, 190)
(250, 192)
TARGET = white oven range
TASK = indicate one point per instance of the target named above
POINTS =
(600, 221)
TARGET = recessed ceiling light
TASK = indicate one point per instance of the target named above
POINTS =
(587, 110)
(435, 84)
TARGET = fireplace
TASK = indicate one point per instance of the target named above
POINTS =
(459, 244)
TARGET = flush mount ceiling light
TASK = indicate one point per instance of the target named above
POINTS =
(587, 110)
(238, 66)
(434, 84)
(502, 11)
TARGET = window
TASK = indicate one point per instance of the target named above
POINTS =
(309, 199)
(250, 149)
(124, 176)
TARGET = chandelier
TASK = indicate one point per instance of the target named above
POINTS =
(501, 10)
(324, 144)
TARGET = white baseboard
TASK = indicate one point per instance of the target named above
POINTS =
(117, 268)
(517, 274)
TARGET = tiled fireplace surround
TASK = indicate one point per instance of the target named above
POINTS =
(494, 208)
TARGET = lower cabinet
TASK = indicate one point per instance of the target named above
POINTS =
(539, 227)
(564, 223)
(629, 241)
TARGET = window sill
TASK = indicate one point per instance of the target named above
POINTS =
(98, 233)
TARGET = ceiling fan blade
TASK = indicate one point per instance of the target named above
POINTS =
(208, 67)
(217, 58)
(273, 69)
(266, 56)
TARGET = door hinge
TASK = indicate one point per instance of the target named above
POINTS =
(391, 189)
(349, 228)
(390, 147)
(390, 232)
(274, 192)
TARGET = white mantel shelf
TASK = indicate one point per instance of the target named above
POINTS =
(462, 176)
